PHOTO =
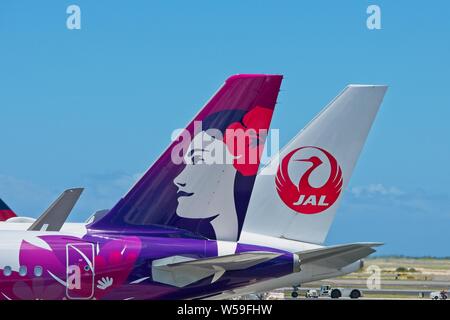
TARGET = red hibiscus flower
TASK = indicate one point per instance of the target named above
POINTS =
(245, 140)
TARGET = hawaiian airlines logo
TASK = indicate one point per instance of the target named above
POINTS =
(304, 197)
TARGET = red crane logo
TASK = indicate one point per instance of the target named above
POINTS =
(305, 198)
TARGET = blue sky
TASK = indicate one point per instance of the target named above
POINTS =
(94, 107)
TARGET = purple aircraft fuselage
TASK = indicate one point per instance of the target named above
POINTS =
(113, 265)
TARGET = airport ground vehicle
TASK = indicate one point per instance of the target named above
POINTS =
(352, 293)
(325, 290)
(439, 295)
(312, 293)
(334, 293)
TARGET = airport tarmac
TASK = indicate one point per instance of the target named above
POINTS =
(399, 279)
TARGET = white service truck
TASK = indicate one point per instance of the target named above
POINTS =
(439, 295)
(336, 293)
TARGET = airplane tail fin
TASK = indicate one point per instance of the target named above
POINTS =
(56, 215)
(5, 211)
(204, 179)
(297, 194)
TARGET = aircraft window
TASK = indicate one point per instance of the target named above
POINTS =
(38, 271)
(23, 271)
(7, 271)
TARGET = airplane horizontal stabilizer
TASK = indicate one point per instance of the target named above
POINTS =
(337, 256)
(181, 271)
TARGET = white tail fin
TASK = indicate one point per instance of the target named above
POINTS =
(300, 201)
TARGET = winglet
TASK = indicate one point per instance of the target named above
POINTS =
(55, 216)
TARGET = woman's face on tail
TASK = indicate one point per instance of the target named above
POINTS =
(205, 186)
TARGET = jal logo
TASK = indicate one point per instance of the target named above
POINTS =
(304, 196)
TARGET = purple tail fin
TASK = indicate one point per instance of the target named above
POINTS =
(5, 211)
(185, 190)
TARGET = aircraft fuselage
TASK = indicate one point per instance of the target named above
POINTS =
(123, 265)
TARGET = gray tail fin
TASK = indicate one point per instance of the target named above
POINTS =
(54, 217)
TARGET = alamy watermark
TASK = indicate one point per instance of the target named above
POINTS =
(374, 280)
(73, 21)
(373, 21)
